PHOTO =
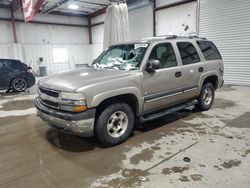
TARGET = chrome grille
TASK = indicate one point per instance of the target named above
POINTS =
(49, 97)
(50, 103)
(48, 92)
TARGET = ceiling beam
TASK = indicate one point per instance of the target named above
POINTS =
(67, 14)
(98, 12)
(46, 23)
(92, 3)
(56, 5)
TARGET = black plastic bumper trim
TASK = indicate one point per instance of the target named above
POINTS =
(90, 113)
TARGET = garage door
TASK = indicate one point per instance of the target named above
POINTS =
(178, 20)
(227, 24)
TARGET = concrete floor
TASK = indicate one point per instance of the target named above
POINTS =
(216, 142)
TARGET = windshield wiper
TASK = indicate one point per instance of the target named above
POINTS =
(119, 60)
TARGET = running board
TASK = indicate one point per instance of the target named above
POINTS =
(160, 114)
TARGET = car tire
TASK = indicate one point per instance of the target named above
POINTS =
(115, 124)
(19, 84)
(206, 98)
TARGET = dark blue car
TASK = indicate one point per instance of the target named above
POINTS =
(15, 75)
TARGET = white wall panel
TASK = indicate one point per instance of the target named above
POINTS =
(34, 33)
(6, 36)
(141, 23)
(77, 54)
(178, 20)
(6, 51)
(51, 34)
(38, 40)
(96, 50)
(226, 23)
(97, 34)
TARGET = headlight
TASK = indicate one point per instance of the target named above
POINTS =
(72, 96)
(74, 102)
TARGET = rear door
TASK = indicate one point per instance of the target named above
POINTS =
(163, 87)
(192, 67)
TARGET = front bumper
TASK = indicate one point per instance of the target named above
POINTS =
(81, 124)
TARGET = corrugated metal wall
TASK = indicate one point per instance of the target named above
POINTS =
(227, 24)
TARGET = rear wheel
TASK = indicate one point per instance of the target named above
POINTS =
(115, 124)
(19, 84)
(206, 98)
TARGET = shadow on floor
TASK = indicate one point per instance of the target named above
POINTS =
(74, 143)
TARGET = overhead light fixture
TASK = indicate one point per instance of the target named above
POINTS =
(73, 6)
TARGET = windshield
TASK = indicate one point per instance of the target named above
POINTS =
(124, 57)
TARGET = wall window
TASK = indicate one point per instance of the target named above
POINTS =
(209, 50)
(60, 55)
(165, 54)
(188, 53)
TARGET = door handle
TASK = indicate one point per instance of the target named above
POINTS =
(178, 74)
(201, 69)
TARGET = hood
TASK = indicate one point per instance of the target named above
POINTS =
(72, 80)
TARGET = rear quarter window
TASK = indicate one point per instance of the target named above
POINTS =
(209, 50)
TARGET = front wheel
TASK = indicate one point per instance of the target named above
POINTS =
(115, 124)
(206, 98)
(19, 84)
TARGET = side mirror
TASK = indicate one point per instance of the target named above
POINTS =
(152, 65)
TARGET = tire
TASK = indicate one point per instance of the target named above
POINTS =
(115, 124)
(19, 84)
(206, 98)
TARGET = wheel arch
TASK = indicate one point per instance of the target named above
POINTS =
(128, 98)
(213, 79)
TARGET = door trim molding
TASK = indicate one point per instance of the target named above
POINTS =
(169, 93)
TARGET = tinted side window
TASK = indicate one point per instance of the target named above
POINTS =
(22, 65)
(16, 65)
(209, 50)
(188, 53)
(1, 65)
(164, 53)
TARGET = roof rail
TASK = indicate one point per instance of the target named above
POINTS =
(197, 37)
(174, 37)
(190, 37)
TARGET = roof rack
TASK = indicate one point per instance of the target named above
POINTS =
(190, 37)
(174, 37)
(197, 37)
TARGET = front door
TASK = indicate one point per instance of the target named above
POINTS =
(164, 87)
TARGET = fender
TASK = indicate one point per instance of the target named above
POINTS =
(97, 99)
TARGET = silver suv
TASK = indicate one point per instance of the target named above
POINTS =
(143, 80)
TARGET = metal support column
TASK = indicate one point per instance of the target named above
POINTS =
(90, 29)
(13, 26)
